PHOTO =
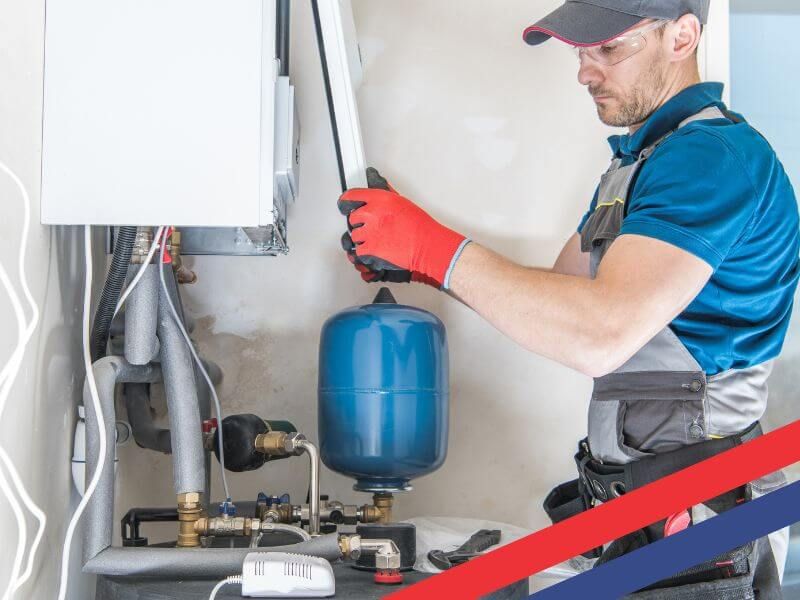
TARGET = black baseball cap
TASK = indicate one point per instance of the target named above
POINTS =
(593, 22)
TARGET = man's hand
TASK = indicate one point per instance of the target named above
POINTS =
(375, 181)
(392, 239)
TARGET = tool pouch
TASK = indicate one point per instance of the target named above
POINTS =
(568, 500)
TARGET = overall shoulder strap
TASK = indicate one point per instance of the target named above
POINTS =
(711, 112)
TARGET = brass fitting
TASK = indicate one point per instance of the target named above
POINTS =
(369, 514)
(226, 526)
(272, 443)
(142, 245)
(350, 546)
(280, 514)
(383, 503)
(175, 249)
(183, 273)
(280, 443)
(190, 510)
(201, 526)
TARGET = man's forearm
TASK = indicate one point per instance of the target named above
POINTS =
(592, 325)
(552, 315)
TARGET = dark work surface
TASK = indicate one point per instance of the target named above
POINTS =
(350, 583)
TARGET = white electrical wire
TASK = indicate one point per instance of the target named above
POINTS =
(8, 376)
(151, 253)
(229, 581)
(87, 363)
(199, 362)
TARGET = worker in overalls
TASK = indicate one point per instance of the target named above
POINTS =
(675, 294)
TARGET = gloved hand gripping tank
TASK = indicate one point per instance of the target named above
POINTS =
(383, 394)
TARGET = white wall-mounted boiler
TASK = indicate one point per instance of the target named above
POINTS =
(166, 112)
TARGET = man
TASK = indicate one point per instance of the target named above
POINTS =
(675, 294)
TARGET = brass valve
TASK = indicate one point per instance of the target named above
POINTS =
(227, 526)
(190, 510)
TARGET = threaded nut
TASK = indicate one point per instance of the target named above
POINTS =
(272, 443)
(189, 498)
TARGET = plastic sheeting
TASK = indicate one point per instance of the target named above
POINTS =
(448, 533)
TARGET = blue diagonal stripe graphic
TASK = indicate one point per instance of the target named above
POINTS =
(694, 546)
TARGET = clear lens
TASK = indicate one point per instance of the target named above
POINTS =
(619, 49)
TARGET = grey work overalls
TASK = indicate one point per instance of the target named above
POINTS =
(661, 401)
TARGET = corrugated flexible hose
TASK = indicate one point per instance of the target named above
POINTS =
(115, 282)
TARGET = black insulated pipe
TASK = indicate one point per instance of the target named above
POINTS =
(283, 36)
(140, 416)
(115, 281)
(131, 536)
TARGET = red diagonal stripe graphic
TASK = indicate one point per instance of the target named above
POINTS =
(613, 520)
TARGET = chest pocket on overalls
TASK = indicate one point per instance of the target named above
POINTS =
(605, 223)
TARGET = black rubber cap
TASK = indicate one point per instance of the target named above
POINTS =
(384, 297)
(239, 433)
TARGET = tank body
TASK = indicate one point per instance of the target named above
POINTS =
(383, 395)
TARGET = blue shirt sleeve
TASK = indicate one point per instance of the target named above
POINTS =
(592, 207)
(694, 193)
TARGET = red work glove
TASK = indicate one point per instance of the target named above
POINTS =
(374, 181)
(394, 238)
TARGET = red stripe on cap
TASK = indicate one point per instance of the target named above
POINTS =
(533, 28)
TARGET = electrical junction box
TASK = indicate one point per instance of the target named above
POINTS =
(169, 112)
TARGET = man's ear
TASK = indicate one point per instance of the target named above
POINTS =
(684, 37)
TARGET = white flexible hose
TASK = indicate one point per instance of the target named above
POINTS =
(200, 366)
(87, 363)
(149, 259)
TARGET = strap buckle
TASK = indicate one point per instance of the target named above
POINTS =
(599, 481)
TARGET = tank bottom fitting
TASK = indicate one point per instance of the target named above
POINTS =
(384, 501)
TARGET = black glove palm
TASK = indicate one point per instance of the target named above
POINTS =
(387, 275)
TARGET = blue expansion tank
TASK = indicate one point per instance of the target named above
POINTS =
(383, 394)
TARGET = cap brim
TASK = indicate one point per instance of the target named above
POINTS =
(581, 24)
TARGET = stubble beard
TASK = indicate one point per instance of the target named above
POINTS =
(639, 104)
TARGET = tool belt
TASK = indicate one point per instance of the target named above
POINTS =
(598, 482)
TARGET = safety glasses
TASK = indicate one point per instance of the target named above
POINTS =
(621, 48)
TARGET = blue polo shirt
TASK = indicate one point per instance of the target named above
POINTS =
(716, 189)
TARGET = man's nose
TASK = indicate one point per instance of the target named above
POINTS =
(589, 72)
